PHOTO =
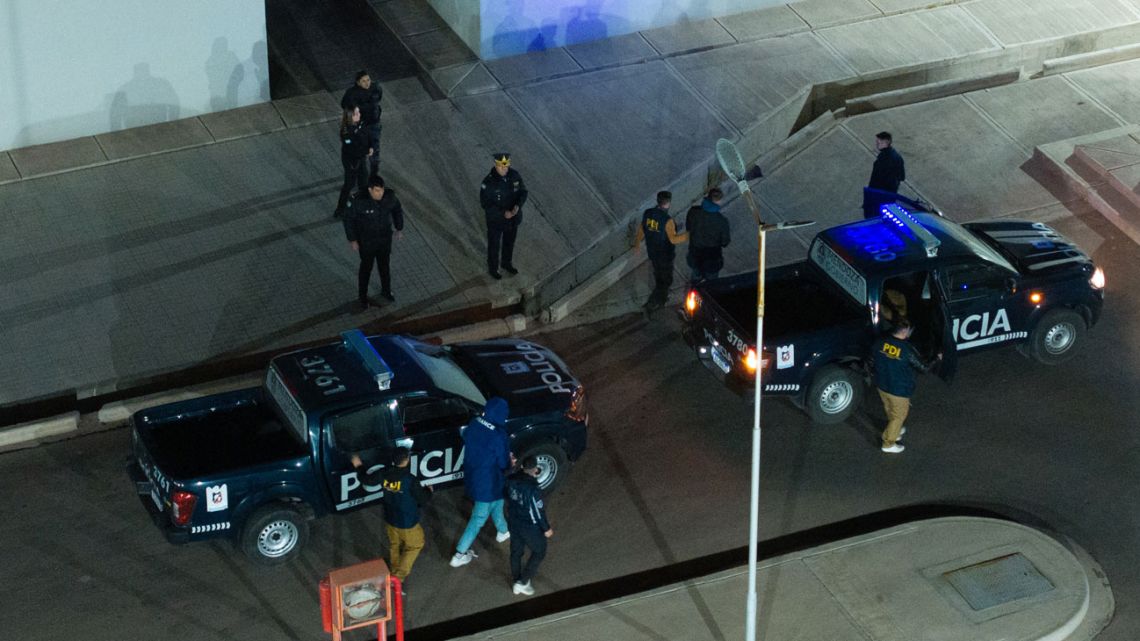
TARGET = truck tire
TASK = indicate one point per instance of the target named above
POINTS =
(1056, 335)
(833, 396)
(273, 534)
(552, 464)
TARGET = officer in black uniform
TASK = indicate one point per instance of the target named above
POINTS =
(368, 224)
(502, 196)
(887, 173)
(366, 96)
(661, 236)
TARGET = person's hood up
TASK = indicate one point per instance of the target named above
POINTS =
(709, 205)
(496, 410)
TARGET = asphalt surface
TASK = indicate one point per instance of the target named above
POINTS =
(665, 480)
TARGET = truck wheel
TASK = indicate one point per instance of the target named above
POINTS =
(1056, 335)
(274, 534)
(833, 396)
(552, 464)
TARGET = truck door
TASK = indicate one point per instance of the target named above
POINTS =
(369, 432)
(432, 423)
(978, 299)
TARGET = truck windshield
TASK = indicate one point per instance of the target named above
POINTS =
(976, 245)
(447, 376)
(845, 277)
(285, 405)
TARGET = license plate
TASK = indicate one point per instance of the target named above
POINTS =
(721, 358)
(154, 497)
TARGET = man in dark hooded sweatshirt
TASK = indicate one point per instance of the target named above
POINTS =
(708, 236)
(526, 516)
(486, 462)
(403, 496)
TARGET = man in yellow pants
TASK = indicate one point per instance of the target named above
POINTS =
(895, 363)
(403, 496)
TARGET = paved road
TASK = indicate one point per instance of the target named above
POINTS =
(665, 480)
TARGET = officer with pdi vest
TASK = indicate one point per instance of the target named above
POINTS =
(661, 237)
(369, 225)
(896, 361)
(502, 196)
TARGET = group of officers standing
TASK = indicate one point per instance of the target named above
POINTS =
(374, 216)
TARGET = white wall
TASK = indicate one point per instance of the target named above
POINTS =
(71, 68)
(498, 28)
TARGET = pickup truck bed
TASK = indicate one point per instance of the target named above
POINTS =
(210, 442)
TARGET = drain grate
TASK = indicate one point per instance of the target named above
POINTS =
(998, 581)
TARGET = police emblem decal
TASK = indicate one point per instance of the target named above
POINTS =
(515, 367)
(217, 498)
(785, 356)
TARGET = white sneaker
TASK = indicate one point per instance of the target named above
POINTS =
(502, 536)
(463, 558)
(522, 588)
(901, 432)
(894, 449)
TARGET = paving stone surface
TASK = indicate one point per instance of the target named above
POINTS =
(609, 52)
(750, 79)
(763, 23)
(1117, 87)
(825, 13)
(517, 70)
(246, 121)
(164, 136)
(7, 168)
(1019, 21)
(687, 36)
(1114, 153)
(57, 156)
(914, 38)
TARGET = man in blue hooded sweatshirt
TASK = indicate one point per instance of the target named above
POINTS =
(486, 462)
(708, 236)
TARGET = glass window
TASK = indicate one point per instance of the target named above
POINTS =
(964, 282)
(363, 429)
(447, 376)
(422, 414)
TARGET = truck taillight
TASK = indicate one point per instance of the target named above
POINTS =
(182, 506)
(750, 360)
(692, 302)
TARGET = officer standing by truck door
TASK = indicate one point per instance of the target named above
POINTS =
(502, 196)
(895, 364)
(368, 225)
(661, 236)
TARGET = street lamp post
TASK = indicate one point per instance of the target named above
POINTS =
(733, 164)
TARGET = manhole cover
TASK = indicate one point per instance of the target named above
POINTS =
(998, 581)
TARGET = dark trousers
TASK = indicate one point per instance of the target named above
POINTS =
(378, 253)
(525, 536)
(501, 235)
(662, 279)
(355, 173)
(705, 262)
(374, 142)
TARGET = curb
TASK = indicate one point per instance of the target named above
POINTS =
(41, 429)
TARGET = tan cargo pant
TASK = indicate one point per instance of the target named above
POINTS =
(897, 407)
(404, 546)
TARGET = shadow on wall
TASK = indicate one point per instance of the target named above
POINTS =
(580, 22)
(144, 100)
(234, 83)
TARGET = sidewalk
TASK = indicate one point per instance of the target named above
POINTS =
(946, 579)
(152, 261)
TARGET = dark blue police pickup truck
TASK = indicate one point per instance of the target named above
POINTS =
(255, 465)
(965, 288)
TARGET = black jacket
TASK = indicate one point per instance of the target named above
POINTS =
(498, 194)
(524, 502)
(353, 143)
(889, 170)
(367, 99)
(403, 496)
(896, 361)
(370, 222)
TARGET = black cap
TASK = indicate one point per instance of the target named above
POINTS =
(376, 181)
(502, 157)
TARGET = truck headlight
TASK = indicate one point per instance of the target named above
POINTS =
(1097, 280)
(577, 410)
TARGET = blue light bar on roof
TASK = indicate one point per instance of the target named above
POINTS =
(356, 342)
(903, 218)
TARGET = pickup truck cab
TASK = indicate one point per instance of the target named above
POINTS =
(965, 289)
(255, 465)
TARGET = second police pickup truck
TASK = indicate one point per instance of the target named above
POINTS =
(255, 465)
(968, 288)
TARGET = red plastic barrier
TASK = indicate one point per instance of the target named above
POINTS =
(398, 597)
(325, 592)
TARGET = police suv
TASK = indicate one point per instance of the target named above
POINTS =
(255, 465)
(965, 289)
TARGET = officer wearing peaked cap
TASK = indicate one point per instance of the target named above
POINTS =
(502, 196)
